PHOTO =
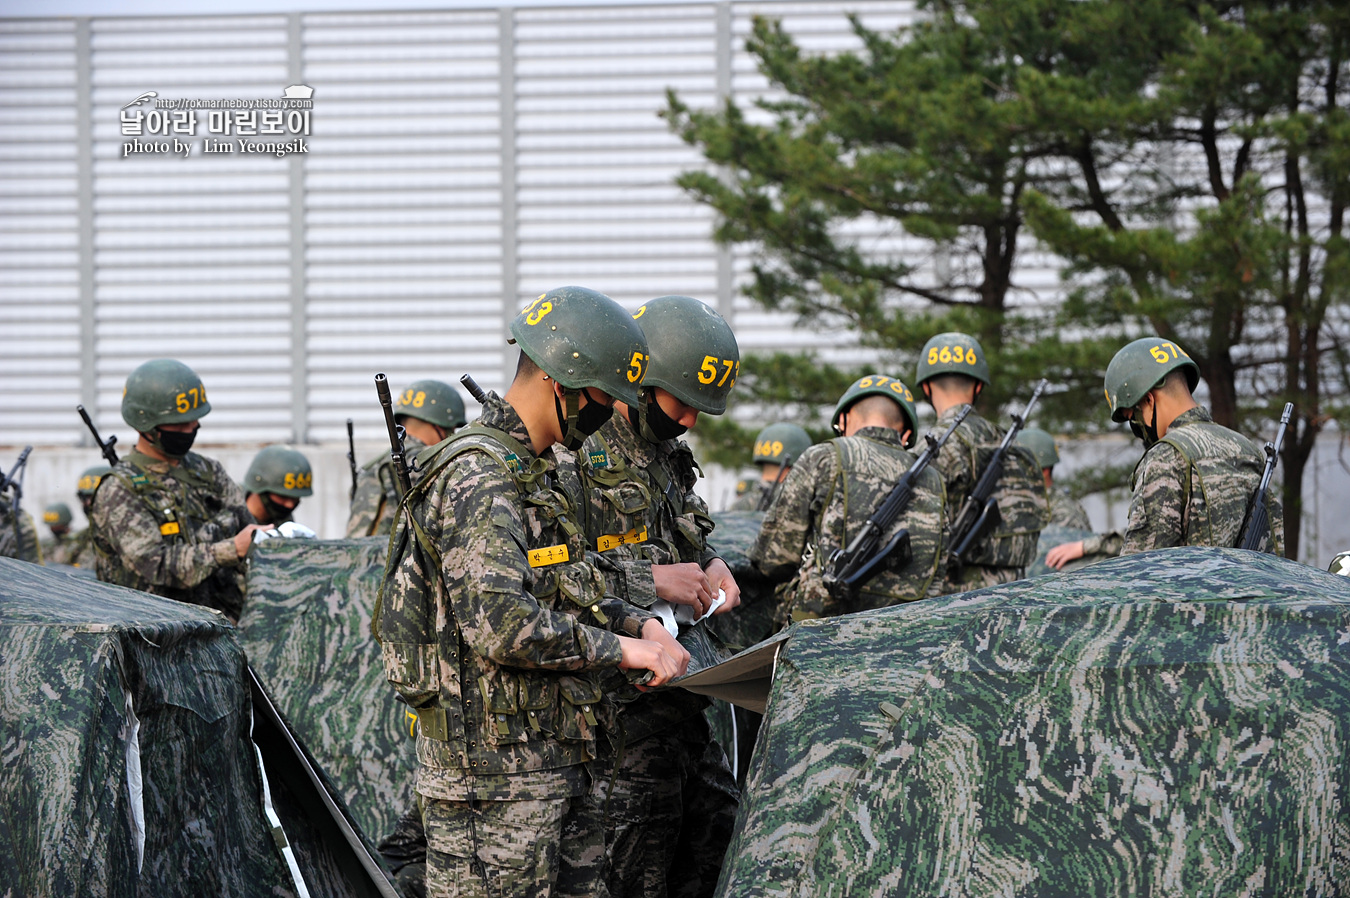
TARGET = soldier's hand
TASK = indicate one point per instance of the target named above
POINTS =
(244, 538)
(684, 584)
(655, 631)
(719, 575)
(648, 654)
(1064, 553)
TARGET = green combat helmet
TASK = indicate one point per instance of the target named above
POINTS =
(282, 471)
(90, 480)
(434, 402)
(163, 391)
(694, 355)
(952, 353)
(56, 515)
(879, 385)
(1139, 367)
(780, 442)
(1041, 444)
(582, 338)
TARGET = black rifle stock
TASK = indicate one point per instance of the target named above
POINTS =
(853, 566)
(1258, 516)
(105, 446)
(474, 390)
(402, 478)
(351, 458)
(980, 515)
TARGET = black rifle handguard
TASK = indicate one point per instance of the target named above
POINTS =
(1258, 516)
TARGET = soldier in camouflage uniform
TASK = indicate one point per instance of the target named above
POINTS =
(1065, 510)
(832, 491)
(495, 629)
(776, 448)
(167, 520)
(18, 534)
(952, 371)
(57, 547)
(667, 786)
(82, 553)
(429, 411)
(277, 479)
(1195, 482)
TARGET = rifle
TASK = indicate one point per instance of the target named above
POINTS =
(1258, 516)
(474, 390)
(852, 567)
(351, 459)
(402, 478)
(980, 515)
(9, 481)
(105, 446)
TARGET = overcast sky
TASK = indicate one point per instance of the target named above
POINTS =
(48, 8)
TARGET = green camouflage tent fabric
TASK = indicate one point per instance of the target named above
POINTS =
(104, 688)
(306, 628)
(1170, 723)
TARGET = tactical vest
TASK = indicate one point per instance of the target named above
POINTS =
(195, 516)
(1221, 478)
(1022, 504)
(475, 714)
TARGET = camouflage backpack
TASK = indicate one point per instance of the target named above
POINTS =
(1022, 503)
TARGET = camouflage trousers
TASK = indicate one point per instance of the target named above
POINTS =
(531, 848)
(669, 812)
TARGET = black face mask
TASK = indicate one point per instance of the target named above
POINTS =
(1148, 433)
(578, 424)
(174, 444)
(650, 420)
(278, 513)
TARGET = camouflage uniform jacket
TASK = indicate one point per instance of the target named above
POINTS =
(827, 497)
(641, 511)
(755, 498)
(376, 496)
(169, 530)
(1193, 487)
(959, 462)
(483, 620)
(18, 540)
(1066, 511)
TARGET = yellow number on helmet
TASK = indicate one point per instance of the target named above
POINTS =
(777, 448)
(639, 313)
(933, 356)
(707, 372)
(971, 358)
(181, 403)
(1159, 355)
(537, 315)
(637, 368)
(288, 481)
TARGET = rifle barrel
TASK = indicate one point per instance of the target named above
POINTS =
(474, 390)
(395, 436)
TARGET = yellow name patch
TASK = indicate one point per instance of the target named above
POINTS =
(548, 555)
(605, 543)
(169, 529)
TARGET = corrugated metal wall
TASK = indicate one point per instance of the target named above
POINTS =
(459, 163)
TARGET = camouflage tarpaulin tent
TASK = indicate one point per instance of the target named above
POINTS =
(1171, 723)
(124, 727)
(306, 628)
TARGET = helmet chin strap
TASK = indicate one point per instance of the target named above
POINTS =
(572, 437)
